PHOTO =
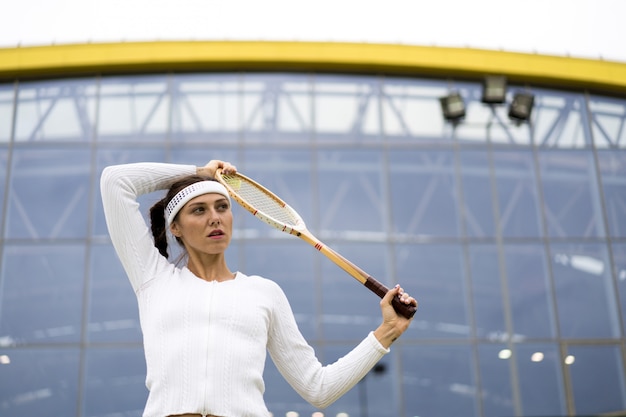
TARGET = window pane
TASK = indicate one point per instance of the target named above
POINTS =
(582, 272)
(134, 108)
(487, 292)
(42, 293)
(411, 111)
(6, 112)
(495, 378)
(39, 382)
(347, 109)
(518, 203)
(619, 262)
(597, 378)
(608, 118)
(49, 193)
(434, 274)
(560, 120)
(613, 173)
(477, 194)
(206, 108)
(529, 292)
(56, 110)
(539, 369)
(276, 108)
(570, 191)
(423, 194)
(352, 194)
(113, 314)
(443, 384)
(115, 382)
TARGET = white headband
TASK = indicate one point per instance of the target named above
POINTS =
(192, 191)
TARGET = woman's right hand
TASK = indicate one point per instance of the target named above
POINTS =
(393, 324)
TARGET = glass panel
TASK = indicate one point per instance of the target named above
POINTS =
(489, 313)
(353, 203)
(529, 292)
(619, 266)
(597, 374)
(613, 173)
(113, 314)
(424, 194)
(347, 109)
(608, 116)
(349, 309)
(540, 381)
(134, 108)
(277, 108)
(206, 108)
(518, 201)
(291, 265)
(115, 382)
(4, 167)
(49, 193)
(42, 296)
(495, 379)
(39, 382)
(442, 298)
(443, 384)
(412, 113)
(560, 120)
(582, 272)
(477, 194)
(56, 110)
(106, 157)
(572, 202)
(6, 112)
(374, 395)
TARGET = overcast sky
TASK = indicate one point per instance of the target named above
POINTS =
(581, 28)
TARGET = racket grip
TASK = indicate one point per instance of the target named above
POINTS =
(406, 310)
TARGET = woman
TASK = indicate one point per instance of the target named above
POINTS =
(207, 329)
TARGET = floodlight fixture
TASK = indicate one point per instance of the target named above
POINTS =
(521, 107)
(494, 89)
(453, 107)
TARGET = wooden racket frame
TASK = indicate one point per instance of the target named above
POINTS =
(300, 230)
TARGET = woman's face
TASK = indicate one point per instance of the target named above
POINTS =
(205, 224)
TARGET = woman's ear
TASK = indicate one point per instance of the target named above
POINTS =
(175, 229)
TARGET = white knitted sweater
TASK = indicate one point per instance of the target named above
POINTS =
(205, 342)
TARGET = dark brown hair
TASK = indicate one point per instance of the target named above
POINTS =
(158, 223)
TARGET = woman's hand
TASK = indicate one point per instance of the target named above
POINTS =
(213, 165)
(393, 324)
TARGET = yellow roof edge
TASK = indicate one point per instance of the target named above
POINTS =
(392, 59)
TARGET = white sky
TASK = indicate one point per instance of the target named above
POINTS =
(582, 28)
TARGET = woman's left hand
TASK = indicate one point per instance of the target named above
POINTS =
(213, 165)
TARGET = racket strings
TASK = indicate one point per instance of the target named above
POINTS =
(261, 200)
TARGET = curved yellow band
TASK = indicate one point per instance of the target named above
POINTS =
(458, 63)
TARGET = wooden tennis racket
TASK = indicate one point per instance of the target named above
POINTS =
(268, 207)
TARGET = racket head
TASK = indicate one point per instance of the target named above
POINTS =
(261, 202)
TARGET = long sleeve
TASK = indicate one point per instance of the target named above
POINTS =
(120, 185)
(296, 360)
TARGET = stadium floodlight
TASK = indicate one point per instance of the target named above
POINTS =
(494, 90)
(453, 107)
(521, 107)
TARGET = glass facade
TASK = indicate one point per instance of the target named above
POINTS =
(511, 236)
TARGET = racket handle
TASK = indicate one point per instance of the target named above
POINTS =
(406, 310)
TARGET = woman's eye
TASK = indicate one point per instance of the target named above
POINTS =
(198, 210)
